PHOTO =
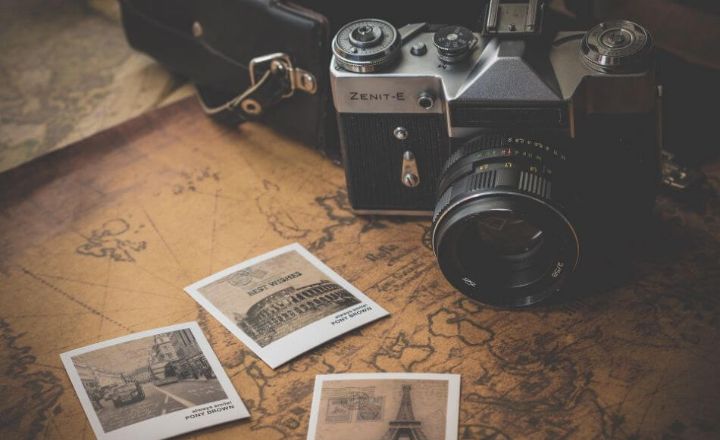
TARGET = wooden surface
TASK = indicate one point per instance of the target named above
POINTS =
(98, 240)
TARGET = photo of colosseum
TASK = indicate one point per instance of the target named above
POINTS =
(292, 308)
(277, 296)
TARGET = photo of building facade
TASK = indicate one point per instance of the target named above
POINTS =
(145, 378)
(283, 303)
(292, 308)
(176, 356)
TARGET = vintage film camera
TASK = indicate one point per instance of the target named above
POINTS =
(532, 149)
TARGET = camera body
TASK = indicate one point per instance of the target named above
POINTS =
(433, 120)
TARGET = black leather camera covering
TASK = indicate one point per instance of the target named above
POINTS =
(236, 31)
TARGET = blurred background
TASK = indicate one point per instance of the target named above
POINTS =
(67, 72)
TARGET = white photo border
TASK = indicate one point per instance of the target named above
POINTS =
(453, 400)
(166, 425)
(301, 340)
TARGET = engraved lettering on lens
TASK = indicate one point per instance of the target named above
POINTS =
(362, 96)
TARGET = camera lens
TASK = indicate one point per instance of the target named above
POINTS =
(499, 234)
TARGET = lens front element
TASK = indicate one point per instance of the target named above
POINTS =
(506, 234)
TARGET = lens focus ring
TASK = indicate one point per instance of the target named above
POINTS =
(522, 180)
(500, 161)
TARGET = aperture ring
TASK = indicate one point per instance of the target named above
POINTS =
(503, 152)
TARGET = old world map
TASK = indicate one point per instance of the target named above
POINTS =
(98, 240)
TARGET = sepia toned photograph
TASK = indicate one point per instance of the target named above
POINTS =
(267, 300)
(151, 376)
(277, 297)
(385, 406)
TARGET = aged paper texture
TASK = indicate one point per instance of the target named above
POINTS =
(284, 303)
(390, 406)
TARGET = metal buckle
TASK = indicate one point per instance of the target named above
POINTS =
(678, 177)
(298, 79)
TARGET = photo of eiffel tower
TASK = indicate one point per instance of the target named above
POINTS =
(405, 427)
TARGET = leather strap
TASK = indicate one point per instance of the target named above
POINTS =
(272, 78)
(270, 89)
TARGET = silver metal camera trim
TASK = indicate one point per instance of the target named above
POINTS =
(410, 76)
(390, 52)
(413, 75)
(615, 60)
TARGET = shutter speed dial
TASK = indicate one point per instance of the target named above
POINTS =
(366, 45)
(454, 43)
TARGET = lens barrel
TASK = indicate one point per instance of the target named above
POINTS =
(498, 231)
